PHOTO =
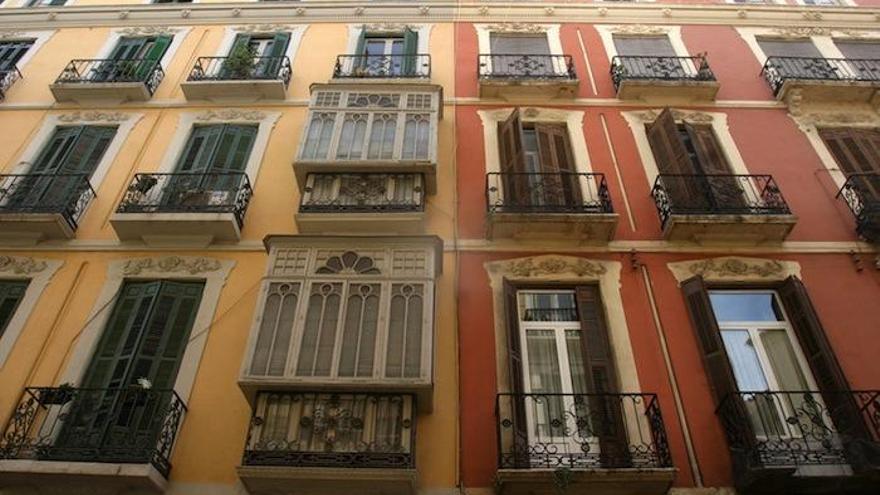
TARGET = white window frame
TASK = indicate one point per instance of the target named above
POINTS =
(265, 122)
(573, 121)
(296, 33)
(423, 30)
(554, 42)
(608, 31)
(178, 35)
(38, 272)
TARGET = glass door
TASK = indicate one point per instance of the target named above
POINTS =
(384, 56)
(553, 366)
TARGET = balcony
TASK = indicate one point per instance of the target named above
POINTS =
(643, 77)
(87, 438)
(331, 443)
(354, 128)
(799, 441)
(108, 80)
(39, 207)
(183, 208)
(824, 79)
(722, 208)
(513, 76)
(604, 443)
(7, 79)
(549, 205)
(384, 67)
(862, 194)
(362, 203)
(217, 78)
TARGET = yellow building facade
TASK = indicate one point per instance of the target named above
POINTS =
(171, 306)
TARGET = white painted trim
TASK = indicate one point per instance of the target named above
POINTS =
(484, 32)
(423, 30)
(823, 42)
(607, 32)
(178, 33)
(572, 270)
(39, 273)
(573, 120)
(636, 121)
(265, 121)
(213, 272)
(296, 33)
(40, 38)
(124, 122)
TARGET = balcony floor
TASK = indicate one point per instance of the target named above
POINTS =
(586, 481)
(109, 92)
(270, 89)
(29, 228)
(724, 228)
(270, 480)
(73, 478)
(162, 229)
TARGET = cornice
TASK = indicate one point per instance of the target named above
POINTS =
(438, 11)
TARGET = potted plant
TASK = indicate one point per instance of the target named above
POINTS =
(241, 62)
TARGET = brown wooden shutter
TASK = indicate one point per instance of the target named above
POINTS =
(726, 192)
(515, 364)
(605, 409)
(857, 151)
(512, 156)
(673, 159)
(829, 376)
(554, 149)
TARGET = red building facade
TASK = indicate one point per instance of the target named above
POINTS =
(660, 217)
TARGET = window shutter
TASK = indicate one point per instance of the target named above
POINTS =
(11, 52)
(199, 148)
(857, 151)
(153, 57)
(233, 149)
(726, 191)
(517, 388)
(830, 378)
(669, 151)
(410, 50)
(54, 152)
(127, 48)
(512, 157)
(650, 46)
(554, 149)
(361, 44)
(241, 40)
(601, 378)
(90, 146)
(279, 44)
(11, 292)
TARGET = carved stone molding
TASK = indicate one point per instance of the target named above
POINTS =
(263, 28)
(809, 120)
(795, 32)
(639, 29)
(733, 268)
(681, 115)
(538, 266)
(230, 114)
(171, 264)
(149, 30)
(94, 117)
(516, 27)
(6, 35)
(21, 265)
(388, 27)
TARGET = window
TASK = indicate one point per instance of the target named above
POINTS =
(220, 148)
(858, 49)
(789, 48)
(351, 125)
(695, 169)
(519, 44)
(11, 52)
(354, 317)
(11, 293)
(656, 46)
(537, 164)
(386, 54)
(45, 3)
(521, 55)
(172, 1)
(856, 150)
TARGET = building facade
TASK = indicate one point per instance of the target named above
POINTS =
(439, 247)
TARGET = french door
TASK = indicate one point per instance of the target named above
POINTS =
(553, 366)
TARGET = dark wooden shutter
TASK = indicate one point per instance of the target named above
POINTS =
(512, 157)
(410, 50)
(560, 184)
(515, 371)
(12, 51)
(673, 161)
(90, 146)
(722, 191)
(857, 151)
(833, 386)
(11, 292)
(605, 408)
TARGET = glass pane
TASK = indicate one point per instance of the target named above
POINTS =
(548, 306)
(359, 330)
(745, 306)
(744, 360)
(544, 378)
(375, 47)
(576, 361)
(783, 361)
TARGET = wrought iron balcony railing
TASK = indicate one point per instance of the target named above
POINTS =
(63, 194)
(778, 70)
(862, 194)
(129, 426)
(717, 194)
(7, 79)
(516, 192)
(521, 66)
(228, 69)
(581, 431)
(362, 193)
(305, 429)
(97, 71)
(210, 192)
(692, 68)
(775, 429)
(382, 66)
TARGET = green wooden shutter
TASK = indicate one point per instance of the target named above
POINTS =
(12, 51)
(410, 51)
(91, 144)
(153, 57)
(56, 149)
(279, 45)
(361, 45)
(11, 293)
(199, 148)
(234, 148)
(270, 65)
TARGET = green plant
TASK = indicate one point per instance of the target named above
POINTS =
(241, 61)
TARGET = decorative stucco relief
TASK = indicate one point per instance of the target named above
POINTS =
(21, 265)
(733, 268)
(171, 264)
(94, 117)
(516, 27)
(230, 114)
(681, 115)
(539, 266)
